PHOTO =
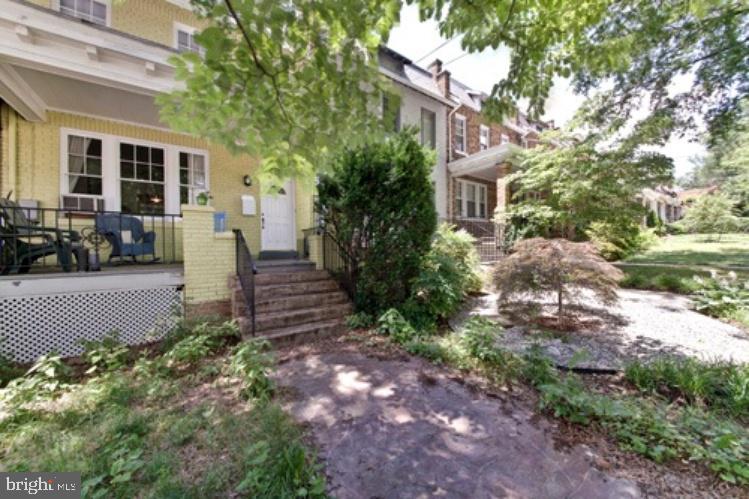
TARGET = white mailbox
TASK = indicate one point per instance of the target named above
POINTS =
(248, 205)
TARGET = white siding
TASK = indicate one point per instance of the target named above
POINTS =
(411, 104)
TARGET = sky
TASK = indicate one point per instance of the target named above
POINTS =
(415, 39)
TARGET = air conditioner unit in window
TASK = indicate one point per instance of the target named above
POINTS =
(82, 203)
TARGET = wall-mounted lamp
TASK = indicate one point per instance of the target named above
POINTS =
(247, 180)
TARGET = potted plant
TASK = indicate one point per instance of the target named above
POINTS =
(203, 198)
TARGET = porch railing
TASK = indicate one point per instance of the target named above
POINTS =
(54, 239)
(338, 262)
(488, 234)
(246, 275)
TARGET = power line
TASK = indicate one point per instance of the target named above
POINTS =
(456, 58)
(435, 49)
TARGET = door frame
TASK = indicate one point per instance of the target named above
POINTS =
(292, 193)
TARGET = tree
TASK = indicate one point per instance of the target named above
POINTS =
(727, 165)
(637, 49)
(538, 267)
(582, 182)
(378, 202)
(288, 82)
(711, 214)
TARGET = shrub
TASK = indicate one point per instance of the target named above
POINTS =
(541, 266)
(616, 241)
(378, 203)
(46, 379)
(430, 351)
(252, 363)
(713, 214)
(722, 296)
(107, 354)
(479, 339)
(359, 320)
(201, 340)
(449, 272)
(394, 325)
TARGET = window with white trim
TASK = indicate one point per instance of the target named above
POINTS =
(184, 39)
(483, 137)
(192, 177)
(141, 178)
(89, 10)
(470, 199)
(460, 133)
(83, 167)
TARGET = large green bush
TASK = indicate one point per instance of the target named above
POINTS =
(620, 239)
(378, 201)
(449, 272)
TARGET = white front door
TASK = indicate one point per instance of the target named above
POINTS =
(277, 220)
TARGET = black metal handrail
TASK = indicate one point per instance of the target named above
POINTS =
(246, 274)
(63, 239)
(339, 263)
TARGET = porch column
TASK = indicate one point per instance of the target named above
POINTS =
(503, 195)
(209, 261)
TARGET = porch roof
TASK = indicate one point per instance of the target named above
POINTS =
(482, 163)
(34, 39)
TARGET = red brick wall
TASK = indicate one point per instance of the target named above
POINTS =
(474, 120)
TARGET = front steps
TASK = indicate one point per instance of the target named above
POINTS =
(294, 303)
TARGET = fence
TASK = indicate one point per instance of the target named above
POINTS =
(488, 236)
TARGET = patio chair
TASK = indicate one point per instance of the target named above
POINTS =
(126, 235)
(22, 242)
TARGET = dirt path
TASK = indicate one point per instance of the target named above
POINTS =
(401, 428)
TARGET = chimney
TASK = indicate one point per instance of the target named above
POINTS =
(441, 78)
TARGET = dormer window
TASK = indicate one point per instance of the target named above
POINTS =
(184, 39)
(93, 11)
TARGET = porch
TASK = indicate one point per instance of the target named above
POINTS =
(477, 190)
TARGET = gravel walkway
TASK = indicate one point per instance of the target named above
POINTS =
(644, 325)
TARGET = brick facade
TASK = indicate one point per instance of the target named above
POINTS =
(474, 120)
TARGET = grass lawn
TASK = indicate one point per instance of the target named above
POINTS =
(695, 249)
(193, 419)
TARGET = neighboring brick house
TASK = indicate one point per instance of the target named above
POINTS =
(478, 150)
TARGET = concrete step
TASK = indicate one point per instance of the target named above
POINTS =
(290, 277)
(302, 301)
(296, 334)
(269, 266)
(273, 292)
(288, 318)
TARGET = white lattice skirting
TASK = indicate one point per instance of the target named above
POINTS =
(54, 316)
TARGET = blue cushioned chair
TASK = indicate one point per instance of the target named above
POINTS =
(112, 226)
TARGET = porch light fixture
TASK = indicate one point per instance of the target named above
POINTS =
(247, 180)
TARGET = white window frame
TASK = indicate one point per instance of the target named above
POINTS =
(434, 125)
(108, 3)
(65, 170)
(484, 137)
(190, 30)
(110, 167)
(482, 197)
(193, 192)
(462, 119)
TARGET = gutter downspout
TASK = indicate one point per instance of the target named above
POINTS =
(450, 183)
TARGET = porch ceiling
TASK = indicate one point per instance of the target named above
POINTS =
(482, 164)
(59, 93)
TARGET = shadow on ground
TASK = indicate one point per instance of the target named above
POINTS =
(393, 428)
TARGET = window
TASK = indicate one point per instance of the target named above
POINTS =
(192, 178)
(89, 10)
(391, 112)
(460, 133)
(428, 128)
(470, 199)
(483, 137)
(504, 138)
(141, 179)
(84, 169)
(184, 39)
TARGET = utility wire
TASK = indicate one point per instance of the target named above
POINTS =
(456, 58)
(435, 49)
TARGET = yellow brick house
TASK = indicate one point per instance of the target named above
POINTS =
(80, 134)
